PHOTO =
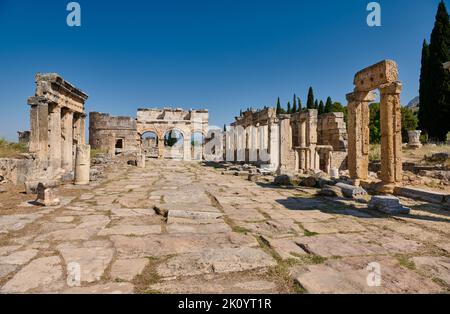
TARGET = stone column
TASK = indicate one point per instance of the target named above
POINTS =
(187, 152)
(302, 141)
(274, 146)
(83, 128)
(54, 136)
(67, 140)
(414, 139)
(358, 134)
(82, 164)
(39, 127)
(286, 162)
(391, 133)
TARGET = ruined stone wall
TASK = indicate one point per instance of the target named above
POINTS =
(332, 130)
(16, 171)
(113, 134)
(298, 142)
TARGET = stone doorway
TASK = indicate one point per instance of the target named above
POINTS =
(150, 144)
(174, 145)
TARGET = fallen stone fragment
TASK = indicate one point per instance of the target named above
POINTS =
(329, 190)
(46, 195)
(282, 180)
(351, 191)
(388, 204)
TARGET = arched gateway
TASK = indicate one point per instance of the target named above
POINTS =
(382, 76)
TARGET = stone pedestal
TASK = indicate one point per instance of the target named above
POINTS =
(82, 164)
(414, 139)
(46, 195)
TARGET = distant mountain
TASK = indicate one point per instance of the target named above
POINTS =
(414, 104)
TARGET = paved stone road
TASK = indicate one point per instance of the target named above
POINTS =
(178, 227)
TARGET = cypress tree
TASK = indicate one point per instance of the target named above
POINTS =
(321, 108)
(278, 106)
(294, 106)
(424, 90)
(439, 78)
(328, 105)
(289, 110)
(316, 104)
(299, 104)
(310, 102)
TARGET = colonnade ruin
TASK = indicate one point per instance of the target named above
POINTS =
(299, 142)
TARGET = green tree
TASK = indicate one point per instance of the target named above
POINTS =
(289, 109)
(316, 104)
(409, 123)
(310, 102)
(321, 108)
(439, 78)
(294, 105)
(299, 102)
(424, 90)
(374, 123)
(278, 106)
(328, 105)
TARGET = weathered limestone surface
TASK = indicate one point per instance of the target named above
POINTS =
(382, 76)
(178, 227)
(82, 164)
(57, 123)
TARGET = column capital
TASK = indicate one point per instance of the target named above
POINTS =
(394, 88)
(358, 96)
(37, 100)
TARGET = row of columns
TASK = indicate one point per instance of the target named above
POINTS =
(54, 132)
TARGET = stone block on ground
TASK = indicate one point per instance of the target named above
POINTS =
(388, 204)
(46, 195)
(351, 191)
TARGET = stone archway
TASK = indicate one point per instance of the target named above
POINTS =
(384, 77)
(150, 144)
(174, 144)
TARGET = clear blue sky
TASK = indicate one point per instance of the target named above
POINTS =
(214, 54)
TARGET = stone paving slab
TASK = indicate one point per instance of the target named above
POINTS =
(180, 227)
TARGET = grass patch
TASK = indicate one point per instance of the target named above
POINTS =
(149, 276)
(240, 229)
(405, 262)
(308, 233)
(11, 150)
(375, 152)
(97, 151)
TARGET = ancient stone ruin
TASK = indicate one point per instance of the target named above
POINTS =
(298, 142)
(57, 122)
(382, 76)
(150, 133)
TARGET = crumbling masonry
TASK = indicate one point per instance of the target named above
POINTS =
(299, 142)
(125, 134)
(57, 122)
(382, 76)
